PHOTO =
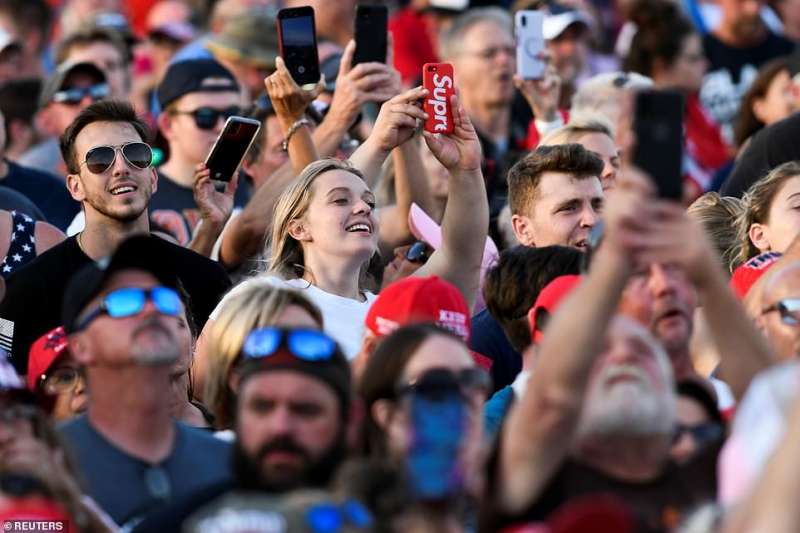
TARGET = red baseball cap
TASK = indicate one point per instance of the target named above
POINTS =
(549, 299)
(44, 353)
(746, 274)
(419, 299)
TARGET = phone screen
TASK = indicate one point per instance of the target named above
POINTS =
(438, 430)
(298, 44)
(371, 39)
(231, 147)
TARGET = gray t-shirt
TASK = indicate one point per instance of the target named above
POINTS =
(128, 488)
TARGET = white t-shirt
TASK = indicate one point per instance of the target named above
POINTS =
(343, 317)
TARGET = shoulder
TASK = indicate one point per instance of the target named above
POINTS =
(200, 439)
(184, 255)
(47, 236)
(30, 174)
(62, 255)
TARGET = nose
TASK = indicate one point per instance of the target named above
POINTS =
(589, 216)
(361, 206)
(281, 422)
(609, 172)
(660, 281)
(86, 101)
(120, 166)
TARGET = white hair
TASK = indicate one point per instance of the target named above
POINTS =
(602, 93)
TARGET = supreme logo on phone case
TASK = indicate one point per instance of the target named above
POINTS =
(438, 79)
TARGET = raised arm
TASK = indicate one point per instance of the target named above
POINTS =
(465, 223)
(215, 209)
(535, 438)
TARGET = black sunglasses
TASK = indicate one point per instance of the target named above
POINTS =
(437, 382)
(136, 154)
(75, 95)
(206, 118)
(417, 253)
(701, 433)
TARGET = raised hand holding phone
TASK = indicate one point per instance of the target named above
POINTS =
(460, 150)
(528, 26)
(288, 99)
(371, 34)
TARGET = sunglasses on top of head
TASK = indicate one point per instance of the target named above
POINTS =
(139, 155)
(130, 301)
(75, 95)
(206, 118)
(305, 344)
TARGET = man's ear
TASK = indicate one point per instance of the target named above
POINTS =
(382, 413)
(523, 229)
(153, 180)
(759, 109)
(164, 122)
(80, 349)
(758, 234)
(75, 187)
(298, 231)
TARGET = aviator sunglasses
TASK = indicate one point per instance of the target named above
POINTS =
(130, 301)
(788, 309)
(136, 154)
(205, 118)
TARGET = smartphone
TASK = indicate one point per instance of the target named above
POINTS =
(231, 146)
(371, 34)
(438, 429)
(530, 44)
(439, 80)
(297, 40)
(658, 127)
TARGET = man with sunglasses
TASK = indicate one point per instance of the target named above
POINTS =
(122, 317)
(67, 92)
(293, 418)
(111, 175)
(779, 313)
(197, 96)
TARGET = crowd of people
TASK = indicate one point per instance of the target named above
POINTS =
(372, 327)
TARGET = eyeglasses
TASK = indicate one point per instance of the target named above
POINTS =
(60, 380)
(206, 118)
(417, 253)
(491, 53)
(789, 310)
(75, 95)
(130, 301)
(701, 433)
(136, 154)
(439, 381)
(306, 344)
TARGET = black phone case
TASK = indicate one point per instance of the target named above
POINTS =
(230, 148)
(658, 126)
(301, 61)
(371, 34)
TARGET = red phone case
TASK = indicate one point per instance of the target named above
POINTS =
(438, 79)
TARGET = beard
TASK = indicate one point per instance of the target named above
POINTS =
(749, 29)
(251, 474)
(626, 409)
(153, 344)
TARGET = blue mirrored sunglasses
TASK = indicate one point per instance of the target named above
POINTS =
(130, 301)
(306, 344)
(75, 95)
(331, 518)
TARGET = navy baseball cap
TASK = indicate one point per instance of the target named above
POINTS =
(194, 76)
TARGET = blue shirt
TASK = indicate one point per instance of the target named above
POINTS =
(489, 339)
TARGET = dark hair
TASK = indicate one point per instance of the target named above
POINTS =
(661, 33)
(29, 15)
(701, 392)
(746, 123)
(384, 367)
(19, 100)
(102, 111)
(88, 37)
(512, 285)
(523, 178)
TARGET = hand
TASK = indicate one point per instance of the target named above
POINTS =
(542, 95)
(355, 86)
(628, 215)
(397, 120)
(215, 207)
(288, 99)
(460, 150)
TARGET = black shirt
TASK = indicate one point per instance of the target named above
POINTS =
(173, 208)
(46, 191)
(730, 73)
(32, 305)
(489, 339)
(11, 200)
(655, 506)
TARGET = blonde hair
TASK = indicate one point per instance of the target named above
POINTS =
(757, 202)
(285, 252)
(718, 216)
(577, 128)
(256, 306)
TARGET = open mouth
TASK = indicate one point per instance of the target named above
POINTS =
(122, 189)
(582, 244)
(359, 227)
